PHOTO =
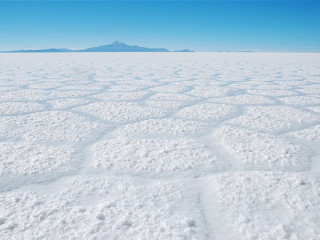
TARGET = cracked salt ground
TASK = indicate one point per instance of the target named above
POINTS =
(162, 146)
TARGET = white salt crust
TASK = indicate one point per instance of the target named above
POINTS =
(159, 146)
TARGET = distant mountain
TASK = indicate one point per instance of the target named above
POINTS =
(113, 47)
(184, 50)
(240, 51)
(42, 50)
(122, 47)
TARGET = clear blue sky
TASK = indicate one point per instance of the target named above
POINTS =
(201, 26)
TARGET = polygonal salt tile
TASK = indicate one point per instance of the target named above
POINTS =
(209, 91)
(290, 83)
(207, 111)
(51, 126)
(272, 92)
(252, 150)
(52, 83)
(25, 95)
(274, 118)
(311, 90)
(152, 155)
(301, 100)
(68, 102)
(165, 104)
(173, 97)
(315, 109)
(105, 208)
(169, 88)
(311, 134)
(272, 86)
(186, 83)
(162, 126)
(69, 93)
(136, 83)
(9, 88)
(82, 87)
(262, 205)
(121, 96)
(125, 88)
(243, 100)
(120, 111)
(19, 107)
(22, 158)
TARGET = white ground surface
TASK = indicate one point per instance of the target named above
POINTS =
(160, 146)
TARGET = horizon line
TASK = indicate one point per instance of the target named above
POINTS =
(151, 49)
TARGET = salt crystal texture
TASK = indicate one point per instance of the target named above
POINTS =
(159, 146)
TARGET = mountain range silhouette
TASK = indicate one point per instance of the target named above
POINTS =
(113, 47)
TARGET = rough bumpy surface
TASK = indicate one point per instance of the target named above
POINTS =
(160, 146)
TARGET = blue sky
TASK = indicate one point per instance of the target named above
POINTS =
(201, 26)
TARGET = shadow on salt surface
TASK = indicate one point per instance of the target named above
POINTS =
(14, 181)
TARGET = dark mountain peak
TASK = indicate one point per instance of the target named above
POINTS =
(122, 47)
(117, 43)
(184, 50)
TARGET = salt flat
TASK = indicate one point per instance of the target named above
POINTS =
(160, 146)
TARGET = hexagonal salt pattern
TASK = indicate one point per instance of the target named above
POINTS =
(275, 118)
(159, 146)
(12, 108)
(50, 126)
(254, 150)
(152, 155)
(120, 111)
(207, 111)
(25, 159)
